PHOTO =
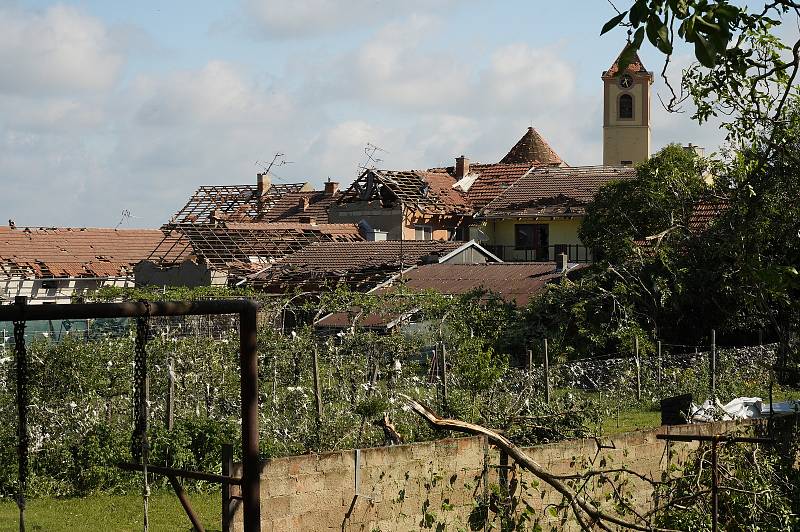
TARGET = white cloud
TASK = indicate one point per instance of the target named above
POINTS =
(56, 50)
(298, 19)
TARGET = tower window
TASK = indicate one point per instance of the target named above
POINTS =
(626, 106)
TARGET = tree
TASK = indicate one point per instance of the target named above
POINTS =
(744, 70)
(656, 205)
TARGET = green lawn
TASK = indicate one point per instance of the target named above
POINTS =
(112, 513)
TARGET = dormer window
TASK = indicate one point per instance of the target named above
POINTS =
(626, 106)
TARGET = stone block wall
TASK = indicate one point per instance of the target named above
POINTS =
(423, 486)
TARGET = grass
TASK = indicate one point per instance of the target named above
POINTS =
(112, 513)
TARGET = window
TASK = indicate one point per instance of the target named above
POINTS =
(423, 232)
(534, 237)
(626, 106)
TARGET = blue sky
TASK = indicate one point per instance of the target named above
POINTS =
(110, 106)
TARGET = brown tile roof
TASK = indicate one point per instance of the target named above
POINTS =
(704, 213)
(359, 264)
(230, 202)
(554, 191)
(74, 252)
(635, 65)
(514, 281)
(430, 192)
(294, 205)
(532, 149)
(244, 247)
(492, 180)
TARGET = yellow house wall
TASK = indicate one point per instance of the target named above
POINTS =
(501, 233)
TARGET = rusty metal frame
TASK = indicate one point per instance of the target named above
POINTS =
(248, 364)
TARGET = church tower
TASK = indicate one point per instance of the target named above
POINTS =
(626, 114)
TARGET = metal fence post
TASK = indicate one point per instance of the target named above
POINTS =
(227, 507)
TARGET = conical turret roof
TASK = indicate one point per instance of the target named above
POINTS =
(532, 149)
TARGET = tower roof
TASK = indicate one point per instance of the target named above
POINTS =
(532, 149)
(635, 66)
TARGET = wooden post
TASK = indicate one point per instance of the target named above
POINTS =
(660, 366)
(761, 337)
(713, 364)
(317, 390)
(227, 500)
(638, 368)
(530, 359)
(546, 373)
(170, 394)
(444, 377)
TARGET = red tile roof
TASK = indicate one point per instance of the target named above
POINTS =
(532, 149)
(294, 205)
(635, 66)
(554, 191)
(492, 180)
(74, 252)
(704, 213)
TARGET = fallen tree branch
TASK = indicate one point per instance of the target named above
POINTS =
(585, 512)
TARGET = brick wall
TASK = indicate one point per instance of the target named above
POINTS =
(422, 485)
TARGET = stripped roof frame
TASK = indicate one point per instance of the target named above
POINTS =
(429, 192)
(240, 203)
(243, 247)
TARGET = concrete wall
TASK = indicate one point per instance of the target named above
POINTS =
(408, 486)
(59, 291)
(187, 274)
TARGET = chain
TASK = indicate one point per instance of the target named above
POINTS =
(22, 405)
(139, 444)
(139, 440)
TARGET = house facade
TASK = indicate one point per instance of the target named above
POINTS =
(538, 217)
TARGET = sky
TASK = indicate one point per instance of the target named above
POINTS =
(110, 107)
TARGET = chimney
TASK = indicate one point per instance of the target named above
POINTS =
(302, 203)
(462, 167)
(264, 183)
(331, 188)
(562, 263)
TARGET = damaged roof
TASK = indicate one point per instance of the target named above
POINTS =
(243, 247)
(240, 203)
(554, 191)
(293, 206)
(429, 192)
(359, 264)
(515, 282)
(73, 252)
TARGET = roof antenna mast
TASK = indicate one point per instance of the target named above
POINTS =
(277, 160)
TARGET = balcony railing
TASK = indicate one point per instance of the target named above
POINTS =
(574, 252)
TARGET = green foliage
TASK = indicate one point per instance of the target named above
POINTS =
(757, 492)
(743, 72)
(660, 200)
